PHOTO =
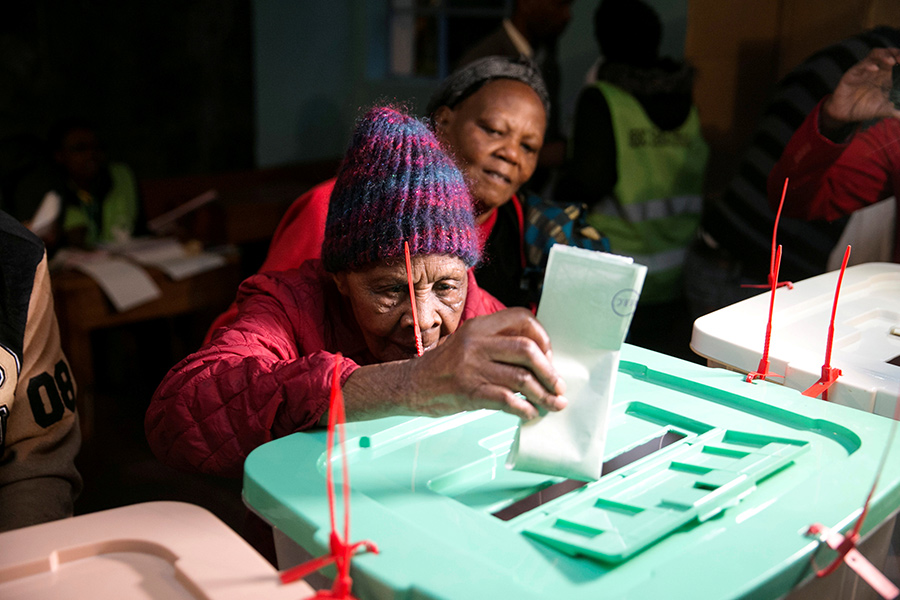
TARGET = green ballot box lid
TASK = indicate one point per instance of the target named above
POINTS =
(709, 486)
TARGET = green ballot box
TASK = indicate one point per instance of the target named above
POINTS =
(708, 489)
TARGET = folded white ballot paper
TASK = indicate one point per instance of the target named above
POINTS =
(586, 306)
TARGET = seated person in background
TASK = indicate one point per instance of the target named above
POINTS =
(39, 434)
(638, 160)
(490, 115)
(835, 165)
(92, 200)
(734, 242)
(269, 373)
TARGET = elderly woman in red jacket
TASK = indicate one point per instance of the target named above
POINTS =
(269, 373)
(490, 116)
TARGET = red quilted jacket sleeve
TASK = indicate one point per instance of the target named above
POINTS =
(269, 374)
(829, 180)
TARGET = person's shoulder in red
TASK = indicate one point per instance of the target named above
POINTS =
(301, 230)
(297, 238)
(478, 301)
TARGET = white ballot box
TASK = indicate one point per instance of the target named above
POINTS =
(866, 345)
(155, 550)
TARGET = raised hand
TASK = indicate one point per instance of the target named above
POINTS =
(863, 92)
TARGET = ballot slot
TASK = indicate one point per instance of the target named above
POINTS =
(562, 488)
(894, 331)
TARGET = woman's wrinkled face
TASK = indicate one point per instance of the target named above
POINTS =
(379, 296)
(495, 136)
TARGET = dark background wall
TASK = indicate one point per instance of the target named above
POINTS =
(170, 82)
(316, 63)
(211, 86)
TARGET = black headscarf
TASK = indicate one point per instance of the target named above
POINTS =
(470, 78)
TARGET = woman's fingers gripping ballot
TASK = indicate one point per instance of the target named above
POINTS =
(500, 361)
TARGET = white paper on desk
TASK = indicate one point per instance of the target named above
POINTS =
(169, 256)
(126, 285)
(586, 307)
(188, 266)
(148, 250)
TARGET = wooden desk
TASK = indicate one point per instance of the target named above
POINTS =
(82, 307)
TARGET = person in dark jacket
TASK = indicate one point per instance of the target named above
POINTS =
(269, 373)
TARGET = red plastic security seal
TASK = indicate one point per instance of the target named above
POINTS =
(762, 371)
(773, 276)
(412, 301)
(829, 373)
(845, 546)
(342, 550)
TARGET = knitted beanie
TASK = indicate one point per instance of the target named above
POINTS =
(397, 185)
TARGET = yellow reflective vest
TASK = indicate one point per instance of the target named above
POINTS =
(658, 194)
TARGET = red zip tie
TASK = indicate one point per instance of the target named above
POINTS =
(412, 301)
(846, 545)
(762, 371)
(773, 276)
(848, 553)
(829, 373)
(341, 551)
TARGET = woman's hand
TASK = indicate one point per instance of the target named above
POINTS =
(486, 363)
(862, 93)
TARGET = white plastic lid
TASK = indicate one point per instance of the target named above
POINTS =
(866, 338)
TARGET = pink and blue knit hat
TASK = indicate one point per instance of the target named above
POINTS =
(397, 185)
